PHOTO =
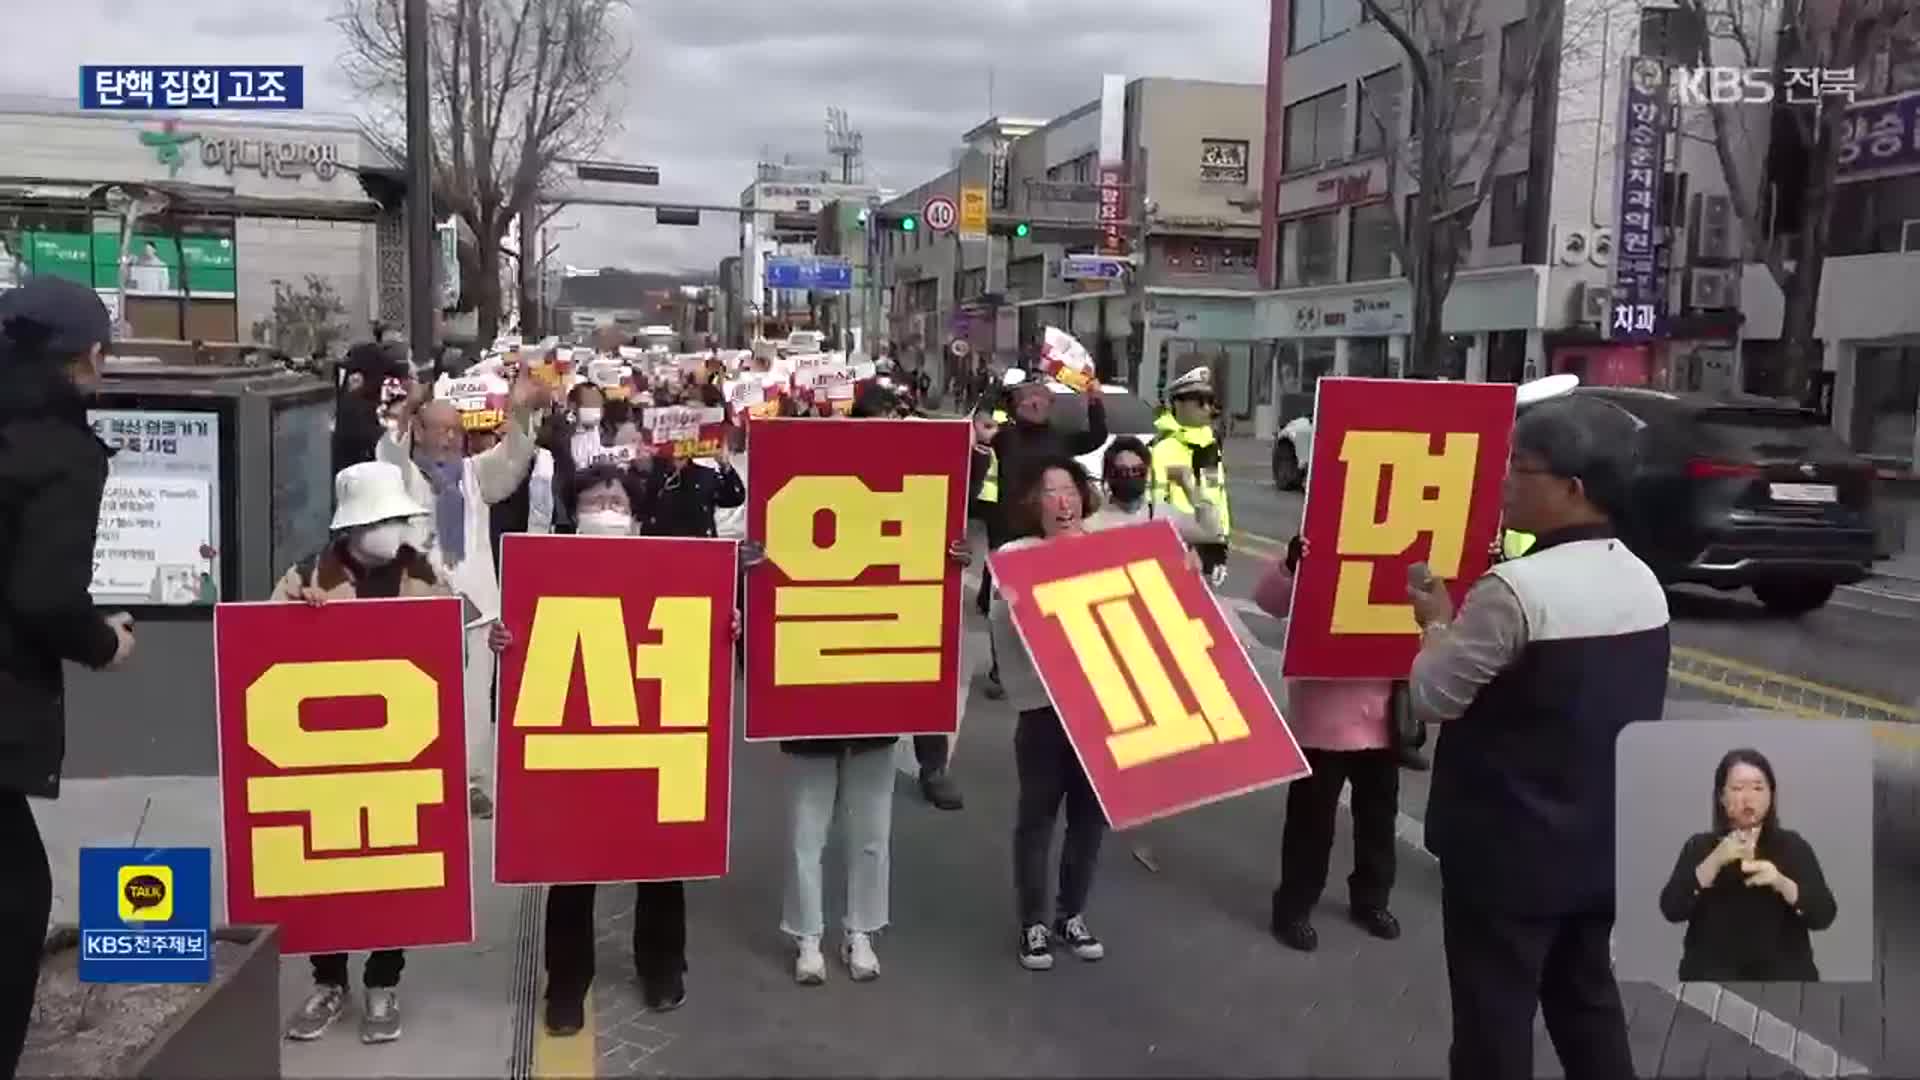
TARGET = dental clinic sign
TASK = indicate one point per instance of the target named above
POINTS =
(1639, 289)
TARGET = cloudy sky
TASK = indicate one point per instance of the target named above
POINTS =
(714, 84)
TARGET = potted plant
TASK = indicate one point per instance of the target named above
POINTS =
(227, 1028)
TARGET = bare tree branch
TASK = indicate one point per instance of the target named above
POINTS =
(514, 85)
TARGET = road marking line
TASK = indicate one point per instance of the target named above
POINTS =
(570, 1056)
(1255, 540)
(1833, 693)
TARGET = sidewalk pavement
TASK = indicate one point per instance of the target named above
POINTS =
(458, 1003)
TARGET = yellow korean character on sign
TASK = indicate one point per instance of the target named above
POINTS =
(590, 633)
(830, 631)
(349, 808)
(1426, 493)
(1099, 613)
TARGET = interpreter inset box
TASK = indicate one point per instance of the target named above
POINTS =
(1744, 848)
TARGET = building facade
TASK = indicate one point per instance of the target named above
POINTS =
(257, 205)
(783, 208)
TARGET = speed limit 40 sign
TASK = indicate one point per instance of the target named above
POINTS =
(940, 214)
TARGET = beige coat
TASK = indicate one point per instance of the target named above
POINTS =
(333, 576)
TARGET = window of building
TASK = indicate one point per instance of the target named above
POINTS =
(1371, 241)
(1507, 221)
(1874, 213)
(1886, 391)
(1464, 75)
(1314, 21)
(1516, 56)
(1367, 358)
(1379, 113)
(1317, 242)
(1315, 131)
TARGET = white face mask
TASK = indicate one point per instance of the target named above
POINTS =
(378, 545)
(606, 523)
(589, 418)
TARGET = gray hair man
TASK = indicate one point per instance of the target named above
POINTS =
(1549, 657)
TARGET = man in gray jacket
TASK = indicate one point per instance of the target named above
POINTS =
(1550, 656)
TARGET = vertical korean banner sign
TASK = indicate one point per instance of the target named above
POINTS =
(343, 772)
(853, 618)
(1402, 472)
(1639, 288)
(1156, 693)
(616, 709)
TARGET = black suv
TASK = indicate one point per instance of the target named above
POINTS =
(1746, 492)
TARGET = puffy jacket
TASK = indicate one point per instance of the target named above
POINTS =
(52, 473)
(334, 573)
(1021, 446)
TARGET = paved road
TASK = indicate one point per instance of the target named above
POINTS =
(1841, 647)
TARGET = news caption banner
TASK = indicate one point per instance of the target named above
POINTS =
(343, 772)
(1403, 472)
(192, 86)
(615, 747)
(853, 621)
(146, 915)
(1155, 691)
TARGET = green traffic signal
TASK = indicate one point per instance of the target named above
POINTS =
(909, 223)
(1022, 229)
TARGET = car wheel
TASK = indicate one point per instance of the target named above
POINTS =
(1286, 466)
(1793, 597)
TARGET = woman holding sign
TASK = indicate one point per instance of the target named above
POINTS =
(1055, 501)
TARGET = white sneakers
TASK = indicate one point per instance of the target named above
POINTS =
(856, 951)
(809, 967)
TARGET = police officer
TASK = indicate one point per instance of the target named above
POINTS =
(1187, 456)
(984, 475)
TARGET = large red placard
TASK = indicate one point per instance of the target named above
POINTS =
(1402, 472)
(615, 730)
(853, 618)
(343, 772)
(1157, 695)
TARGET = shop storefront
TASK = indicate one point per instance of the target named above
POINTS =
(1492, 327)
(241, 208)
(1188, 328)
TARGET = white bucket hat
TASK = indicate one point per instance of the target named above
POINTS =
(369, 492)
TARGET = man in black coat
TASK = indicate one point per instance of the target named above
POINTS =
(357, 426)
(1029, 439)
(52, 472)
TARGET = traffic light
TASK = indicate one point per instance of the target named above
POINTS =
(909, 222)
(903, 222)
(1018, 230)
(1021, 229)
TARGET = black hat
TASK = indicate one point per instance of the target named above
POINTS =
(54, 318)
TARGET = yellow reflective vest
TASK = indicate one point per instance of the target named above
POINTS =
(990, 487)
(1514, 543)
(1174, 447)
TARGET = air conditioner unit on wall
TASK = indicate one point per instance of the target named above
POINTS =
(1593, 300)
(1716, 227)
(1713, 288)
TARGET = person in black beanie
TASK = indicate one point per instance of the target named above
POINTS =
(53, 335)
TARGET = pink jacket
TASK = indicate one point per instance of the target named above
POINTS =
(1331, 714)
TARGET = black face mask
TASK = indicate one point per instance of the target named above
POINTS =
(1127, 489)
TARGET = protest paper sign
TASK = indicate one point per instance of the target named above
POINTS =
(343, 772)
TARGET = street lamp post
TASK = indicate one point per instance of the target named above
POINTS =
(421, 307)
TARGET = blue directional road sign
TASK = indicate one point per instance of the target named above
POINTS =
(1094, 267)
(806, 272)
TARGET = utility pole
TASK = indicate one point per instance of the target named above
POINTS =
(422, 311)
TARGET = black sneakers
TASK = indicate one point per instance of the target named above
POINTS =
(1377, 921)
(1036, 948)
(664, 993)
(1073, 933)
(566, 1015)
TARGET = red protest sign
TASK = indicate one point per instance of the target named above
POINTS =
(615, 735)
(343, 772)
(685, 430)
(853, 619)
(1402, 472)
(1157, 695)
